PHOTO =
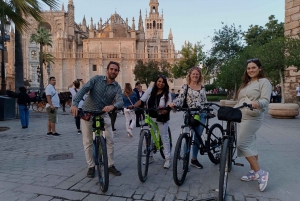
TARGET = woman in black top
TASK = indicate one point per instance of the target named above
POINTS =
(24, 103)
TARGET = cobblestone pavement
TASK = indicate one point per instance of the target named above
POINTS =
(27, 174)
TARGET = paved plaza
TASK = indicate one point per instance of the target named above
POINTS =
(27, 171)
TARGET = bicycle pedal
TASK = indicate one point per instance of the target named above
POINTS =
(239, 164)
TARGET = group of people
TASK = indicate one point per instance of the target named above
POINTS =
(105, 94)
(276, 95)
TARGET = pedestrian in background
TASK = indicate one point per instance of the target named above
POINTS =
(141, 114)
(24, 103)
(113, 116)
(52, 106)
(173, 94)
(129, 99)
(137, 113)
(255, 90)
(73, 91)
(274, 95)
(279, 96)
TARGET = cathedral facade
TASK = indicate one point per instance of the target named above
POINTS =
(82, 50)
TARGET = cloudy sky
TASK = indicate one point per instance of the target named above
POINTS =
(190, 20)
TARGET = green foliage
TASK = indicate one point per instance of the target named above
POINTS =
(261, 35)
(146, 73)
(227, 43)
(192, 55)
(215, 97)
(209, 87)
(42, 37)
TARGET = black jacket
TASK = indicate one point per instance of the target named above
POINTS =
(23, 99)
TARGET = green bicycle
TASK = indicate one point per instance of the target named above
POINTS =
(150, 141)
(100, 150)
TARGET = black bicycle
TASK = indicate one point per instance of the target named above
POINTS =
(231, 116)
(210, 144)
(100, 150)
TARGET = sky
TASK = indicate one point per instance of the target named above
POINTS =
(190, 20)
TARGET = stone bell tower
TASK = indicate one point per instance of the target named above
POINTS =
(154, 23)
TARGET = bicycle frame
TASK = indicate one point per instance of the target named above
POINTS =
(99, 128)
(152, 127)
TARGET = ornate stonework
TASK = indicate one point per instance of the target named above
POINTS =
(292, 28)
(82, 50)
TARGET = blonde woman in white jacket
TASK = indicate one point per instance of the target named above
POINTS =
(155, 97)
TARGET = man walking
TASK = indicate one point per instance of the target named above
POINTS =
(102, 92)
(51, 106)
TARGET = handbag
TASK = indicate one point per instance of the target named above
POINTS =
(86, 116)
(229, 114)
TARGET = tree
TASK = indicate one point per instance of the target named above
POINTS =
(145, 73)
(226, 43)
(278, 54)
(258, 35)
(43, 38)
(192, 55)
(16, 10)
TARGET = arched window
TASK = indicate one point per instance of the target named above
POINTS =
(150, 26)
(46, 25)
(147, 25)
(160, 25)
(154, 23)
(153, 9)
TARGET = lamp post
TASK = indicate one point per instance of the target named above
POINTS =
(5, 26)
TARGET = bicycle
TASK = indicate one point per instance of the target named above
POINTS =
(100, 150)
(38, 106)
(228, 145)
(150, 141)
(211, 145)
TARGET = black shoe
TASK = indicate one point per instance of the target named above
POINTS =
(50, 133)
(56, 134)
(114, 129)
(114, 171)
(138, 125)
(91, 172)
(24, 127)
(196, 164)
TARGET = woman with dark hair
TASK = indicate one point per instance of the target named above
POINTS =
(24, 103)
(193, 94)
(159, 96)
(129, 99)
(255, 90)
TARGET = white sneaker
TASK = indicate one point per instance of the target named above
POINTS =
(129, 132)
(167, 164)
(151, 160)
(79, 132)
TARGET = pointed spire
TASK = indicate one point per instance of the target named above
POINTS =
(63, 7)
(84, 21)
(133, 25)
(141, 27)
(100, 24)
(70, 2)
(91, 25)
(170, 35)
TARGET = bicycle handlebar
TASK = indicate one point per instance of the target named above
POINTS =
(150, 109)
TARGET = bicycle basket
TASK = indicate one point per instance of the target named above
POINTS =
(229, 114)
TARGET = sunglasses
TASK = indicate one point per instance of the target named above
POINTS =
(252, 60)
(162, 76)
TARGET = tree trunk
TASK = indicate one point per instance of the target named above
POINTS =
(282, 89)
(235, 90)
(19, 72)
(42, 70)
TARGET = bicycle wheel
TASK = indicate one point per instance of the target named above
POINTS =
(40, 106)
(102, 163)
(214, 143)
(162, 148)
(181, 159)
(223, 170)
(143, 155)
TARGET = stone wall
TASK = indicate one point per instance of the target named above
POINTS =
(292, 28)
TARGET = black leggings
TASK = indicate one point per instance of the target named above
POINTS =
(77, 120)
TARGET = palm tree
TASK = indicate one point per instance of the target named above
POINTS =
(15, 10)
(42, 37)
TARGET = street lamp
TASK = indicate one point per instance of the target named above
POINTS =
(5, 27)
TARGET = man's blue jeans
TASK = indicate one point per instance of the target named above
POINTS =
(199, 130)
(24, 115)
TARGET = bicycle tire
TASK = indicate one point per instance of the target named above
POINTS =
(34, 105)
(144, 150)
(181, 159)
(161, 150)
(214, 143)
(232, 145)
(223, 170)
(102, 163)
